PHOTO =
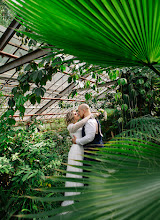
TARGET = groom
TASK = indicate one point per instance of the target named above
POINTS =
(91, 131)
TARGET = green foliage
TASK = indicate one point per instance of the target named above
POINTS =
(27, 157)
(146, 128)
(110, 127)
(5, 165)
(83, 70)
(103, 33)
(141, 91)
(123, 174)
(113, 74)
(88, 96)
(7, 117)
(37, 74)
(137, 95)
(6, 15)
(129, 172)
(122, 81)
(115, 55)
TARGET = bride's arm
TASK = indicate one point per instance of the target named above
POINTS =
(72, 128)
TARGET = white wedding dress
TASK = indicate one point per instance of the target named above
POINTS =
(76, 153)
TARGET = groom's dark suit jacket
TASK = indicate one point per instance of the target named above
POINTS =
(97, 142)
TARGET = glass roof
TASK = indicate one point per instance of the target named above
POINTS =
(57, 87)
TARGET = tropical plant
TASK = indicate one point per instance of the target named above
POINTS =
(124, 181)
(146, 128)
(140, 92)
(6, 15)
(38, 74)
(35, 73)
(116, 33)
(111, 126)
(26, 158)
(136, 94)
(124, 174)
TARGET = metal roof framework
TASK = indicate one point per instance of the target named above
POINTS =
(13, 54)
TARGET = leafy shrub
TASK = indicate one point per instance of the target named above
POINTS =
(27, 157)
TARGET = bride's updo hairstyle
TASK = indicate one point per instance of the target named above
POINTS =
(70, 117)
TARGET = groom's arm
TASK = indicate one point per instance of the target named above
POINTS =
(90, 131)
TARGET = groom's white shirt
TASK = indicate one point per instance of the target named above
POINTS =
(90, 132)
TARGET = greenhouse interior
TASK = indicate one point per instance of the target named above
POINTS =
(79, 109)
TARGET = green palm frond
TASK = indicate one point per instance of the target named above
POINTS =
(124, 180)
(123, 184)
(146, 128)
(103, 32)
(144, 121)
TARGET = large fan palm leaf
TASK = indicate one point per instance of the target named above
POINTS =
(105, 32)
(123, 184)
(123, 181)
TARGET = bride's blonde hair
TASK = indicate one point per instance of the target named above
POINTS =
(70, 117)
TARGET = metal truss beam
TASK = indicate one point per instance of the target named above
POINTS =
(28, 115)
(106, 91)
(83, 78)
(8, 34)
(2, 53)
(18, 46)
(24, 59)
(55, 98)
(51, 102)
(107, 83)
(8, 78)
(67, 90)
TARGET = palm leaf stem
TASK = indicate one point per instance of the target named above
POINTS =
(153, 68)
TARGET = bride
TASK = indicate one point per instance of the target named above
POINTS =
(76, 152)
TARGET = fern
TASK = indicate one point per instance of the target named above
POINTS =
(145, 128)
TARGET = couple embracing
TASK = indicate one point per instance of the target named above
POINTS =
(85, 133)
